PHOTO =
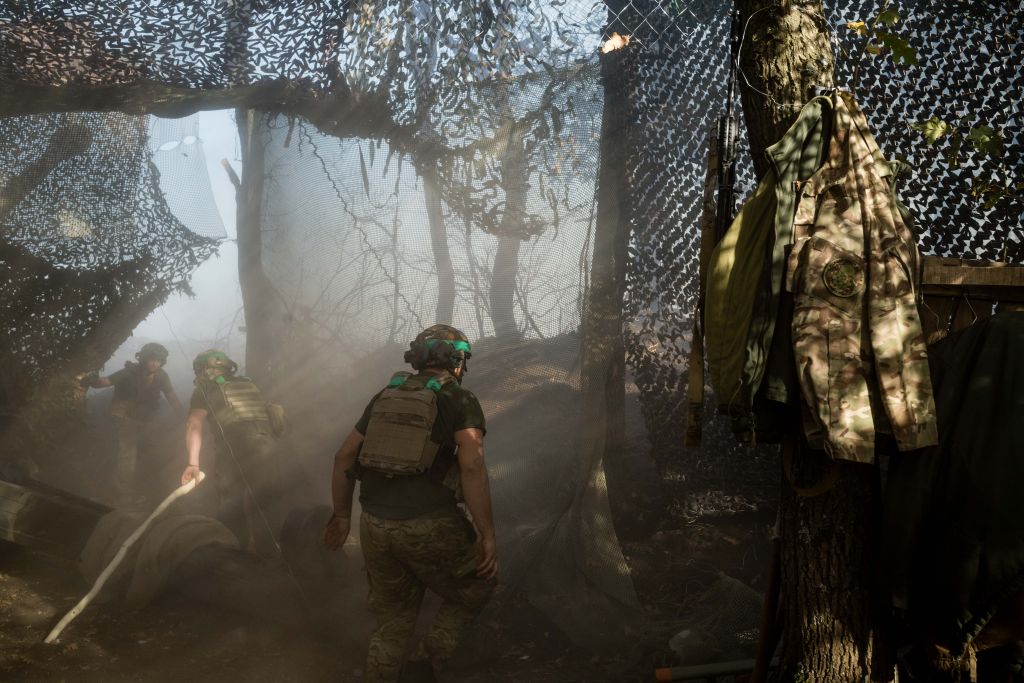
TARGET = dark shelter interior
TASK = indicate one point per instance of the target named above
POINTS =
(535, 173)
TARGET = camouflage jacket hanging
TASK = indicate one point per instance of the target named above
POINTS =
(857, 338)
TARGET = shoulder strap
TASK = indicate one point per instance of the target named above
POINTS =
(398, 379)
(410, 381)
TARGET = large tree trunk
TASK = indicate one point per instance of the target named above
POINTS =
(827, 539)
(439, 244)
(827, 567)
(261, 303)
(785, 53)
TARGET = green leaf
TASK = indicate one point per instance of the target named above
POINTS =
(873, 49)
(988, 193)
(888, 18)
(932, 129)
(902, 52)
(858, 27)
(987, 139)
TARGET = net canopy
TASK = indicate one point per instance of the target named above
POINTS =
(439, 162)
(88, 248)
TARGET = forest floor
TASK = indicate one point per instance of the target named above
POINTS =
(174, 640)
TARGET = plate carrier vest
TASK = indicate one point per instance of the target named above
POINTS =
(243, 401)
(397, 439)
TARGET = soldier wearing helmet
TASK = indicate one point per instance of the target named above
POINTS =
(136, 401)
(418, 453)
(246, 463)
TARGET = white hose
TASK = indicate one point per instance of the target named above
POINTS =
(105, 574)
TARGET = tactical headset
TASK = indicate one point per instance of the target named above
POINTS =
(446, 353)
(202, 364)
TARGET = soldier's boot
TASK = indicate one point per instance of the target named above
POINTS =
(418, 671)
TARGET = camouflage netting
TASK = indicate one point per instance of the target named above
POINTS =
(431, 152)
(89, 248)
(968, 70)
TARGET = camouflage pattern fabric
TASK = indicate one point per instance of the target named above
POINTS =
(403, 559)
(129, 432)
(859, 346)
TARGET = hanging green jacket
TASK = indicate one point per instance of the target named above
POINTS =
(745, 275)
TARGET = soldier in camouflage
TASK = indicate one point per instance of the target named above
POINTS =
(137, 390)
(859, 345)
(418, 451)
(247, 474)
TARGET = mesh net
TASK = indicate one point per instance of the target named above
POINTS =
(473, 187)
(89, 247)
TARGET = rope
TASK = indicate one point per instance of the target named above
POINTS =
(101, 580)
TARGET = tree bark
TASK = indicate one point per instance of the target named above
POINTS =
(260, 300)
(439, 244)
(784, 54)
(514, 182)
(827, 567)
(503, 287)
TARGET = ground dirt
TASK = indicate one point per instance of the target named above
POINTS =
(173, 640)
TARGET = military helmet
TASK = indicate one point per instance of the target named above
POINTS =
(152, 351)
(214, 362)
(439, 346)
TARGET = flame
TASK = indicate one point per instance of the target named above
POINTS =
(614, 43)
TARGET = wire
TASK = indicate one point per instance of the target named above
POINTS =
(241, 472)
(743, 37)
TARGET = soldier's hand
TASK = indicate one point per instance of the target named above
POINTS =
(191, 472)
(336, 532)
(488, 566)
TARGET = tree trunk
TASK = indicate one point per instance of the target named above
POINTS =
(439, 244)
(514, 182)
(827, 567)
(827, 535)
(503, 287)
(603, 352)
(785, 53)
(260, 301)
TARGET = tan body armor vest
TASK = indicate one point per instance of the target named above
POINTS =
(242, 401)
(397, 439)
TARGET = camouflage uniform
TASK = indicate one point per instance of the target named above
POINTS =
(247, 460)
(857, 337)
(404, 557)
(134, 407)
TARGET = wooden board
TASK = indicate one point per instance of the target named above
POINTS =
(981, 280)
(47, 519)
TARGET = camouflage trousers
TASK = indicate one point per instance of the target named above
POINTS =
(132, 436)
(403, 559)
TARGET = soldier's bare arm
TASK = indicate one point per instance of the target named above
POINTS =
(343, 485)
(193, 443)
(477, 492)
